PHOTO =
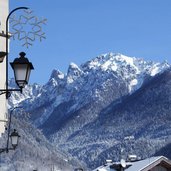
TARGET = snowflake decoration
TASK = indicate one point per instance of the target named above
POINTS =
(20, 26)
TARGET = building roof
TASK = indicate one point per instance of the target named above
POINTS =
(141, 165)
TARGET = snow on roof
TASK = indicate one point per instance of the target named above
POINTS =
(137, 165)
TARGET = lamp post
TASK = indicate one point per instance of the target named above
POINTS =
(14, 136)
(21, 66)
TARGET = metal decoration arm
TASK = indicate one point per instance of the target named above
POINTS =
(8, 91)
(7, 37)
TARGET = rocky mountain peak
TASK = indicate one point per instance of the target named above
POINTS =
(57, 75)
(73, 73)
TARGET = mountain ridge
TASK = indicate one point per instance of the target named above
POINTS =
(72, 108)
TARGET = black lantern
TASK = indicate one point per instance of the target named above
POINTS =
(14, 138)
(22, 68)
(2, 56)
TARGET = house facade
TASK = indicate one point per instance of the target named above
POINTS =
(159, 163)
(4, 6)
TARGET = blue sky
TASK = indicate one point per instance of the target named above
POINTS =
(79, 30)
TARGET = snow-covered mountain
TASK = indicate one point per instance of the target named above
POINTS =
(94, 106)
(84, 81)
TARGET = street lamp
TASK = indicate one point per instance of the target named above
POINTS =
(14, 136)
(21, 66)
(2, 56)
(14, 142)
